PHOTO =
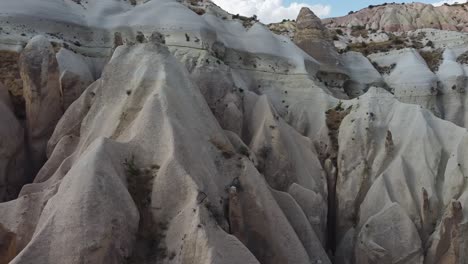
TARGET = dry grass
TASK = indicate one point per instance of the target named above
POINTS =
(226, 150)
(334, 117)
(376, 47)
(357, 31)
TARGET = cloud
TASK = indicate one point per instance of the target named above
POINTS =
(269, 11)
(450, 2)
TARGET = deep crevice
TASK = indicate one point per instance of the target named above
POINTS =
(149, 246)
(334, 117)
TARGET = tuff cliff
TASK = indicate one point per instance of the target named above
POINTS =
(170, 131)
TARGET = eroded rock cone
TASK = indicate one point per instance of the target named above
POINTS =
(307, 20)
(312, 37)
(40, 74)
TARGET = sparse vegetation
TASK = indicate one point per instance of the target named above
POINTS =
(198, 10)
(10, 77)
(247, 22)
(334, 117)
(463, 58)
(243, 150)
(384, 69)
(151, 234)
(130, 167)
(398, 41)
(433, 58)
(140, 37)
(234, 183)
(263, 153)
(225, 149)
(339, 106)
(215, 213)
(357, 31)
(394, 42)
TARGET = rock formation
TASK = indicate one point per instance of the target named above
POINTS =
(13, 167)
(175, 132)
(405, 17)
(313, 38)
(43, 102)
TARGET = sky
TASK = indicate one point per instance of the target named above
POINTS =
(269, 11)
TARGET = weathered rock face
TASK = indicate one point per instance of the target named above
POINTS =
(11, 79)
(313, 38)
(393, 17)
(12, 152)
(75, 75)
(41, 89)
(392, 168)
(389, 237)
(217, 141)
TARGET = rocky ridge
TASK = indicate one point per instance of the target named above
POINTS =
(393, 17)
(174, 132)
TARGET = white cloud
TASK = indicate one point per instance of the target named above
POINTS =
(450, 2)
(269, 11)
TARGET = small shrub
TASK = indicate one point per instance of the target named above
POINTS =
(359, 27)
(357, 31)
(339, 32)
(243, 150)
(384, 69)
(140, 37)
(398, 41)
(339, 106)
(463, 58)
(130, 167)
(430, 44)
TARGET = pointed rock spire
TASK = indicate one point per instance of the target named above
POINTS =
(308, 20)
